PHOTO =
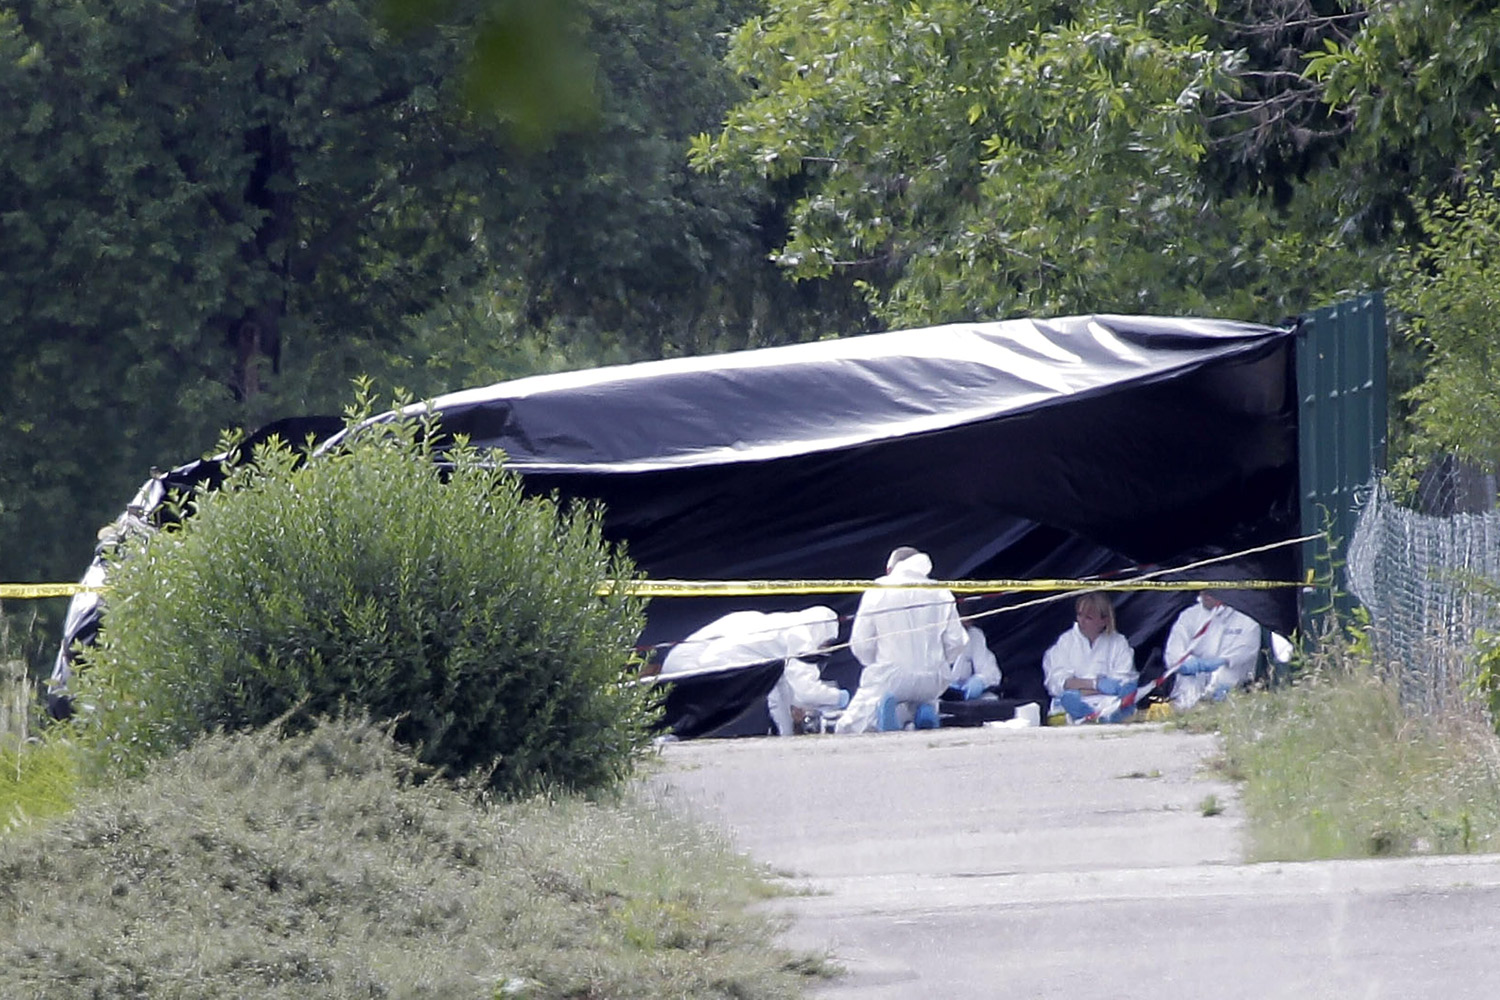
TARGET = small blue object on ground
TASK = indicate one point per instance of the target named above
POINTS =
(926, 716)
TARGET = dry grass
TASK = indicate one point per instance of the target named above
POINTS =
(1333, 768)
(322, 865)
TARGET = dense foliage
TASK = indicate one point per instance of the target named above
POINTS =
(196, 199)
(1448, 292)
(252, 866)
(374, 579)
(976, 161)
(218, 214)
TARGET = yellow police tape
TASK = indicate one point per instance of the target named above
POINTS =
(751, 588)
(26, 591)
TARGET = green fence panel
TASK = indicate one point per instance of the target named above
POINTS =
(1341, 385)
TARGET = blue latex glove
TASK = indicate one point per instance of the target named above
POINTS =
(1201, 665)
(1113, 686)
(974, 687)
(843, 698)
(1072, 702)
(1192, 665)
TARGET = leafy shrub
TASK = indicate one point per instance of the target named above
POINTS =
(435, 594)
(316, 866)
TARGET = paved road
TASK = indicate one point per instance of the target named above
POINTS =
(1075, 863)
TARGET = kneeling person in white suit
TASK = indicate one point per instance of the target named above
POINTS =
(907, 638)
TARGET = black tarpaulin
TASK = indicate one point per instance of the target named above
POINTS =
(697, 704)
(1068, 448)
(1026, 448)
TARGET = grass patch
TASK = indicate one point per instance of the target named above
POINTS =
(325, 865)
(1211, 806)
(1333, 768)
(37, 779)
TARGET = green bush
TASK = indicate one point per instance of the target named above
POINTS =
(375, 578)
(317, 866)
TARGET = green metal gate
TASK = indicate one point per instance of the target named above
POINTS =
(1341, 385)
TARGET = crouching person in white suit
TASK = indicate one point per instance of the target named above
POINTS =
(802, 686)
(976, 670)
(742, 638)
(1213, 648)
(907, 639)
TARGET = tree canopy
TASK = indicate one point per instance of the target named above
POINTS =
(1245, 158)
(195, 197)
(220, 213)
(975, 161)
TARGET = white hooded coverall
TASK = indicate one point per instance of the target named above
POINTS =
(976, 661)
(1072, 655)
(1222, 632)
(907, 640)
(743, 638)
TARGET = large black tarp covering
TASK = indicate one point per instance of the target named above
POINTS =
(1063, 448)
(1068, 448)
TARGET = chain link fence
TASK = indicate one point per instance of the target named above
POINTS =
(1422, 575)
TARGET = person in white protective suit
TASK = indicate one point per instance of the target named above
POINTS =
(1091, 666)
(976, 670)
(742, 638)
(907, 639)
(802, 687)
(1213, 648)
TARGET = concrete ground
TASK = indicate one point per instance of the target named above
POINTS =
(1081, 862)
